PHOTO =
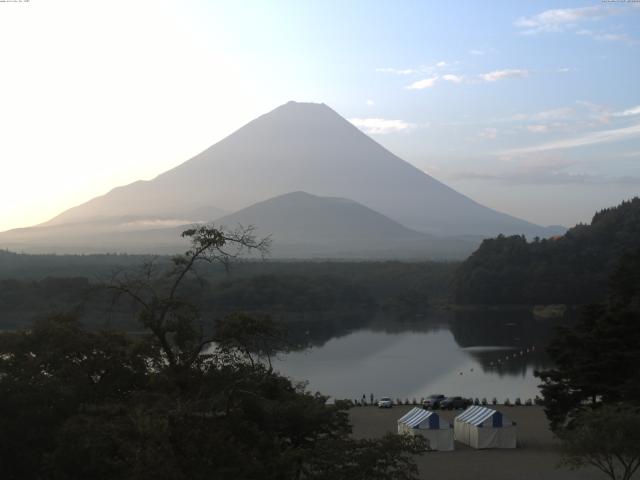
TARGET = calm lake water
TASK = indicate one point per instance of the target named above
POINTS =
(478, 354)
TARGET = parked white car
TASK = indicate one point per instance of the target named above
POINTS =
(385, 403)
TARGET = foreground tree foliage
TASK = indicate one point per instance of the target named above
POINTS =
(592, 396)
(607, 438)
(49, 373)
(173, 404)
(597, 359)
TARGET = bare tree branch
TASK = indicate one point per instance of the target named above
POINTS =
(156, 292)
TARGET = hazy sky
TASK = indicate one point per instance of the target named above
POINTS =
(532, 108)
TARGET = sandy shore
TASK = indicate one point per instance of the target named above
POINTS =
(535, 458)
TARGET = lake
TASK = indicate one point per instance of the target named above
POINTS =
(472, 354)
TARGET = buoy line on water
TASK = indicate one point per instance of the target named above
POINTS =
(521, 353)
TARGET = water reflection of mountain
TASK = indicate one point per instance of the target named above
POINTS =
(316, 329)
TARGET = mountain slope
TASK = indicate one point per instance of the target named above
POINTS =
(301, 226)
(309, 147)
(97, 237)
(304, 225)
(301, 217)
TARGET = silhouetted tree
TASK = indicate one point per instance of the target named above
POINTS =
(49, 373)
(607, 438)
(159, 297)
(596, 361)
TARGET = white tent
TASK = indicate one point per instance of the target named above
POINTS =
(438, 432)
(482, 427)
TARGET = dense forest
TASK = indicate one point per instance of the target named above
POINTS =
(33, 285)
(35, 267)
(591, 393)
(570, 269)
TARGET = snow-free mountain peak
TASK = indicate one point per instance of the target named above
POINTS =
(305, 225)
(300, 147)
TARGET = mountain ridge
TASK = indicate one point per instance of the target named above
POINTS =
(297, 147)
(309, 147)
(306, 226)
(301, 226)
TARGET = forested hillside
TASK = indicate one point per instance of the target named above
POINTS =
(571, 269)
(33, 286)
(35, 267)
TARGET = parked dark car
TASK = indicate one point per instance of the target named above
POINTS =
(455, 403)
(432, 402)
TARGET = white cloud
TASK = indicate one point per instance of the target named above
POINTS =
(591, 138)
(422, 84)
(381, 126)
(557, 20)
(546, 176)
(431, 82)
(614, 37)
(502, 74)
(483, 51)
(398, 71)
(606, 36)
(422, 69)
(453, 78)
(545, 169)
(597, 113)
(629, 112)
(370, 102)
(546, 115)
(564, 70)
(538, 128)
(568, 19)
(489, 133)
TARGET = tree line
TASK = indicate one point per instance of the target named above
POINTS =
(569, 269)
(269, 287)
